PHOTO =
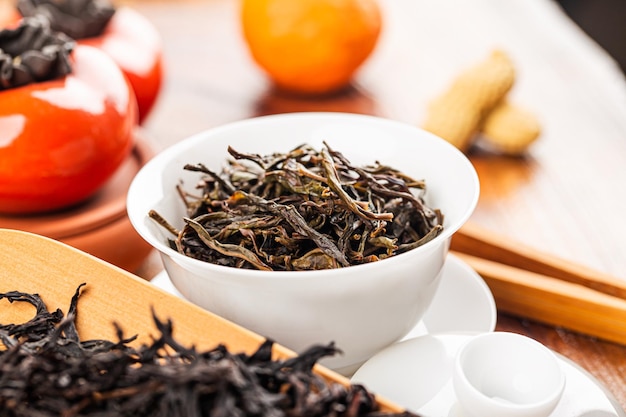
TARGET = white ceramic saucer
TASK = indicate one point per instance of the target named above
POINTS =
(162, 280)
(416, 374)
(463, 302)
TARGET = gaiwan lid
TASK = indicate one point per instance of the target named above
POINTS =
(85, 226)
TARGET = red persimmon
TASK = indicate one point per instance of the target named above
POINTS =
(135, 45)
(62, 139)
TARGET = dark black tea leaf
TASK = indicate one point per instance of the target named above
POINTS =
(46, 370)
(302, 210)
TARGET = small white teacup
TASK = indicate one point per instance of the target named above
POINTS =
(507, 374)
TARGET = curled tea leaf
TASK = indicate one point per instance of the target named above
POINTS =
(46, 370)
(32, 53)
(302, 210)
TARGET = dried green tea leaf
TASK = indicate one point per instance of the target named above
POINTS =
(302, 210)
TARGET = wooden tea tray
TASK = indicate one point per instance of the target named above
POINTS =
(35, 264)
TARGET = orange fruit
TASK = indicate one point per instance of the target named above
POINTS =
(310, 46)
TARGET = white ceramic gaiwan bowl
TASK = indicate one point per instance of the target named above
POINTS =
(362, 308)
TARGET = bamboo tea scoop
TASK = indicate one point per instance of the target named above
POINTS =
(476, 241)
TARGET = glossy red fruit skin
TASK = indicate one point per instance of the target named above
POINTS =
(61, 140)
(135, 45)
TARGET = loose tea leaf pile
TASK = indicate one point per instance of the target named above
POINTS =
(46, 370)
(302, 210)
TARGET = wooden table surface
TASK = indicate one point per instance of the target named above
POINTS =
(566, 197)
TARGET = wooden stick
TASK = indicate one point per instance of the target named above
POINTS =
(552, 301)
(476, 241)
